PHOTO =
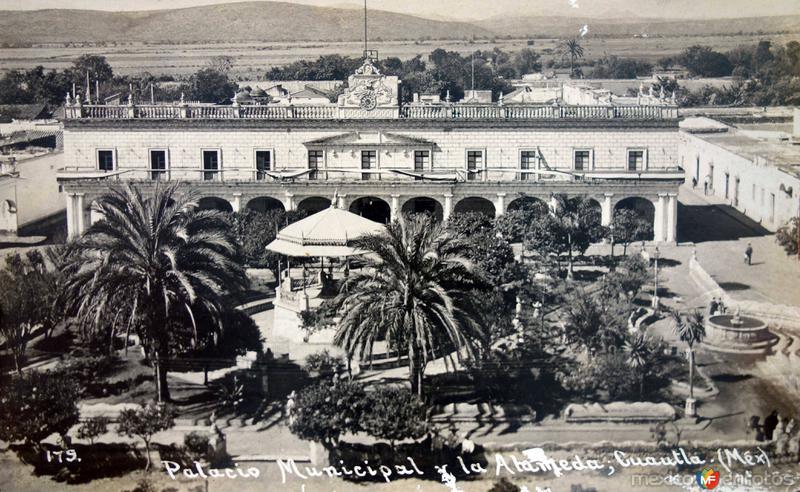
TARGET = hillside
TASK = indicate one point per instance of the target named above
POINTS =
(247, 21)
(569, 26)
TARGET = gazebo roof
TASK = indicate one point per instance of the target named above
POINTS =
(327, 233)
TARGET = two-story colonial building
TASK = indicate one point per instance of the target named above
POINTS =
(381, 158)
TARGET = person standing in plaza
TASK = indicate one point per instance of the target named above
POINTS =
(706, 181)
(748, 254)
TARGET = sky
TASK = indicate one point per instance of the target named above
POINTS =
(476, 9)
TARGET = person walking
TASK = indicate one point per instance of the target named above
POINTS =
(748, 254)
(706, 182)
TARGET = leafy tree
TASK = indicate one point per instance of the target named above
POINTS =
(144, 423)
(628, 227)
(613, 67)
(255, 230)
(787, 237)
(209, 85)
(394, 414)
(221, 63)
(95, 65)
(571, 228)
(417, 291)
(37, 404)
(325, 411)
(571, 48)
(27, 297)
(527, 61)
(93, 428)
(466, 224)
(156, 264)
(705, 62)
(691, 330)
(629, 277)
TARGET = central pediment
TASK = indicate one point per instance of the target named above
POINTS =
(369, 139)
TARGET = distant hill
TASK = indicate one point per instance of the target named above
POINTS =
(631, 26)
(247, 21)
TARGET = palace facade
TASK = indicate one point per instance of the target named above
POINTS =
(380, 158)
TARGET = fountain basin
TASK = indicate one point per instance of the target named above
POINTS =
(730, 333)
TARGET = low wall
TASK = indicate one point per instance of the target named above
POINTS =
(777, 314)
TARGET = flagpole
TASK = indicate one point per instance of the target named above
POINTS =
(365, 28)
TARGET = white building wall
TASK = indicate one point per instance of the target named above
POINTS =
(502, 148)
(760, 196)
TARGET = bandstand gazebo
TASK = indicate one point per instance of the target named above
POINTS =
(326, 234)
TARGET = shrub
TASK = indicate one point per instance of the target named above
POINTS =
(394, 413)
(230, 395)
(87, 370)
(37, 404)
(323, 361)
(196, 446)
(93, 428)
(324, 411)
(144, 423)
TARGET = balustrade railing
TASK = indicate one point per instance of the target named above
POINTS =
(411, 112)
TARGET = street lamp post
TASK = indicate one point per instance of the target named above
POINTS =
(655, 287)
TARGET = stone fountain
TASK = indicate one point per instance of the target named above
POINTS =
(737, 333)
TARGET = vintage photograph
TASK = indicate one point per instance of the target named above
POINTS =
(399, 245)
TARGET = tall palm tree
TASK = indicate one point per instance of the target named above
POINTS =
(690, 329)
(573, 50)
(153, 263)
(417, 292)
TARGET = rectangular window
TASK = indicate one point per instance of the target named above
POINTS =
(474, 164)
(211, 165)
(158, 165)
(582, 160)
(315, 161)
(422, 161)
(105, 160)
(636, 160)
(263, 163)
(369, 160)
(527, 162)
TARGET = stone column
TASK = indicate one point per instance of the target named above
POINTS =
(236, 203)
(342, 202)
(672, 218)
(395, 208)
(659, 219)
(607, 211)
(500, 205)
(94, 215)
(289, 202)
(80, 214)
(71, 231)
(448, 206)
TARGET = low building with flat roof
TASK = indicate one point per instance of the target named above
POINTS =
(754, 166)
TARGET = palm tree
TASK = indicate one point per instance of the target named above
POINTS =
(690, 329)
(638, 350)
(153, 263)
(417, 292)
(574, 50)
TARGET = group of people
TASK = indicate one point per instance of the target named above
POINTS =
(783, 431)
(716, 306)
